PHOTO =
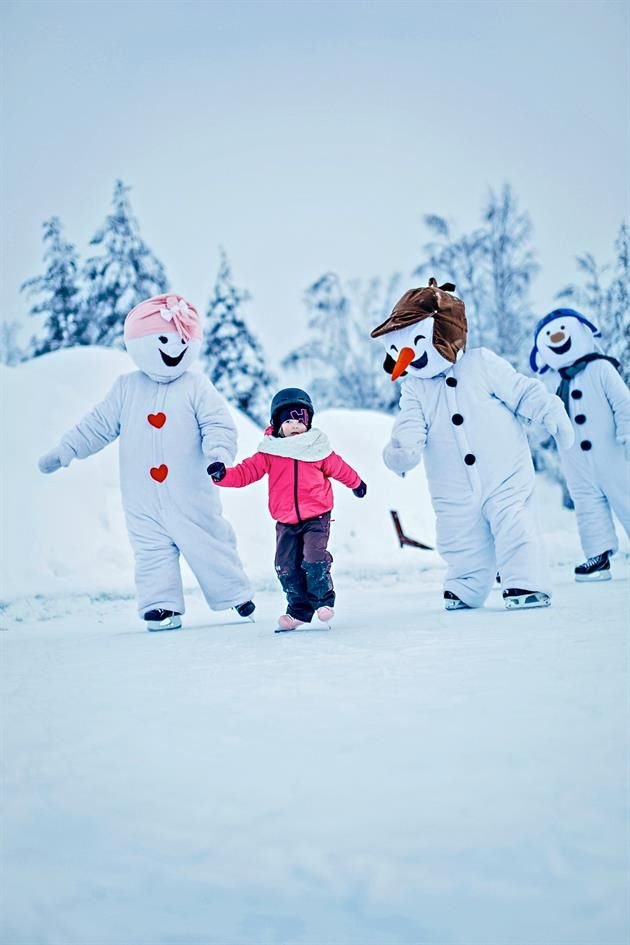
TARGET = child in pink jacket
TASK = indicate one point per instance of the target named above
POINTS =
(300, 465)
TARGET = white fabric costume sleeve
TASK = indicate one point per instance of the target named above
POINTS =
(618, 396)
(218, 432)
(96, 429)
(409, 435)
(527, 398)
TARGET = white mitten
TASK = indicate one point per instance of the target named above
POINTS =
(557, 423)
(52, 461)
(398, 459)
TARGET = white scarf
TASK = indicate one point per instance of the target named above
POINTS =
(310, 446)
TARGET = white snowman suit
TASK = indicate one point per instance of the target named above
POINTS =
(598, 403)
(464, 418)
(171, 423)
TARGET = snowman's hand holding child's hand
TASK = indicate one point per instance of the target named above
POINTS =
(53, 460)
(216, 471)
(360, 490)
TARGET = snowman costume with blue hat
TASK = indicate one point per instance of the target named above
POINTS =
(597, 401)
(463, 413)
(171, 423)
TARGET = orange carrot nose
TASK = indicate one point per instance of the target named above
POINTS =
(557, 336)
(405, 358)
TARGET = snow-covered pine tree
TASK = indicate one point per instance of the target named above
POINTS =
(126, 273)
(10, 351)
(59, 294)
(232, 355)
(492, 268)
(604, 296)
(341, 363)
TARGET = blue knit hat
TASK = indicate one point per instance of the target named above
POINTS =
(557, 313)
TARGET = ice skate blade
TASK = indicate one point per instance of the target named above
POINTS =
(455, 605)
(527, 601)
(169, 623)
(595, 576)
(305, 629)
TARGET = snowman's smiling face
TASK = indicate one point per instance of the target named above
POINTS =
(163, 356)
(411, 349)
(563, 340)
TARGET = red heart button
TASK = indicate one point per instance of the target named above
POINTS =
(157, 419)
(159, 473)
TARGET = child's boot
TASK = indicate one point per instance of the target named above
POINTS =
(325, 614)
(286, 622)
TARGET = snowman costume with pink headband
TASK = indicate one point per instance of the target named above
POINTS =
(171, 423)
(597, 401)
(463, 412)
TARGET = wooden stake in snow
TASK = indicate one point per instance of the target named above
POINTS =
(402, 538)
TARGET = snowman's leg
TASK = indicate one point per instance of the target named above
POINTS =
(465, 542)
(594, 518)
(211, 552)
(158, 577)
(521, 559)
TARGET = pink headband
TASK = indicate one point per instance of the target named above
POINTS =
(163, 313)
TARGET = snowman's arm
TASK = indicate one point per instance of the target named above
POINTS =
(618, 396)
(218, 432)
(409, 434)
(527, 397)
(95, 430)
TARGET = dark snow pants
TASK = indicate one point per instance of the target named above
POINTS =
(303, 565)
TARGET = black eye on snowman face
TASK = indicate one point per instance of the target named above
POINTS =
(183, 341)
(163, 339)
(394, 348)
(418, 338)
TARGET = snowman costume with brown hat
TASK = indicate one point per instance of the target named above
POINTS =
(464, 412)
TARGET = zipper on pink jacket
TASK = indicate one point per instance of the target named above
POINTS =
(295, 491)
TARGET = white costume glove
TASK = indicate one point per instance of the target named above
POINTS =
(398, 459)
(557, 423)
(55, 459)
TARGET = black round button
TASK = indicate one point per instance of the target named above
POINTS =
(586, 445)
(469, 459)
(576, 394)
(457, 419)
(580, 418)
(451, 381)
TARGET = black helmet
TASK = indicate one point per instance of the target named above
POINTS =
(291, 397)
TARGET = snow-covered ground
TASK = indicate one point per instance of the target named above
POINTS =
(409, 777)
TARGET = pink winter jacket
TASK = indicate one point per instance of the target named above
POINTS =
(299, 481)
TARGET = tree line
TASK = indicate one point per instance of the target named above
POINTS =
(493, 266)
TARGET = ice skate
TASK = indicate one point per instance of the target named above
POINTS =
(246, 609)
(517, 598)
(325, 614)
(286, 622)
(596, 568)
(159, 619)
(452, 602)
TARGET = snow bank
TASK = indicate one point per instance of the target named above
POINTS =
(65, 533)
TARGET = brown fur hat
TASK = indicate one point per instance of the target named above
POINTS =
(450, 327)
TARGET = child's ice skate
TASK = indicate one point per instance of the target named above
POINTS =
(286, 622)
(452, 602)
(160, 619)
(596, 568)
(246, 609)
(325, 614)
(517, 598)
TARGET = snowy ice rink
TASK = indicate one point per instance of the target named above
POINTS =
(411, 777)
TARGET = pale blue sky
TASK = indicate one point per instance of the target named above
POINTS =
(309, 136)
